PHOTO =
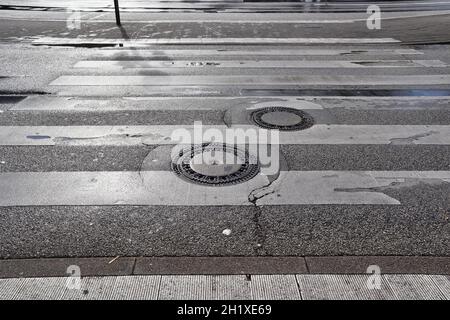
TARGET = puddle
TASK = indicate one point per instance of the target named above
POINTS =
(38, 137)
(80, 45)
(399, 63)
(354, 52)
(11, 99)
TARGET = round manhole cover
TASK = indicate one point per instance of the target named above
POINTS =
(282, 118)
(215, 164)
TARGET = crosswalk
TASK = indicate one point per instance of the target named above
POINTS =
(118, 108)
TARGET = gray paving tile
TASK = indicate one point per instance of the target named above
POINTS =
(341, 287)
(204, 287)
(443, 283)
(32, 288)
(115, 288)
(232, 288)
(274, 287)
(414, 287)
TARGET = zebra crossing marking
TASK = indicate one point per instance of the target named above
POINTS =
(162, 134)
(240, 80)
(133, 64)
(208, 41)
(110, 53)
(74, 104)
(152, 188)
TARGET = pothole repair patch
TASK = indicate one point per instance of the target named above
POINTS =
(215, 164)
(282, 118)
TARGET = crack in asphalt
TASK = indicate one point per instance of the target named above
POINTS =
(141, 166)
(259, 230)
(226, 118)
(253, 198)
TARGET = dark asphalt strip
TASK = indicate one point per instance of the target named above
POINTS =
(65, 158)
(420, 226)
(298, 157)
(348, 92)
(291, 6)
(120, 266)
(110, 118)
(215, 117)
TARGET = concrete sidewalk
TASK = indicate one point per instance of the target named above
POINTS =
(230, 287)
(226, 278)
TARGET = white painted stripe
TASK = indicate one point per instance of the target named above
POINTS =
(389, 4)
(431, 63)
(356, 80)
(164, 103)
(150, 188)
(158, 135)
(222, 21)
(201, 17)
(133, 64)
(74, 104)
(201, 41)
(290, 6)
(206, 20)
(157, 4)
(269, 20)
(250, 52)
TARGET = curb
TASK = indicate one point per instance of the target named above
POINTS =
(121, 266)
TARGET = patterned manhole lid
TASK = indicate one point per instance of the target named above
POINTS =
(215, 164)
(282, 118)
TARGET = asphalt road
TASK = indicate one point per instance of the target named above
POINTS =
(71, 143)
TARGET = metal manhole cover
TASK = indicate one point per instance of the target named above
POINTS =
(215, 164)
(282, 118)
